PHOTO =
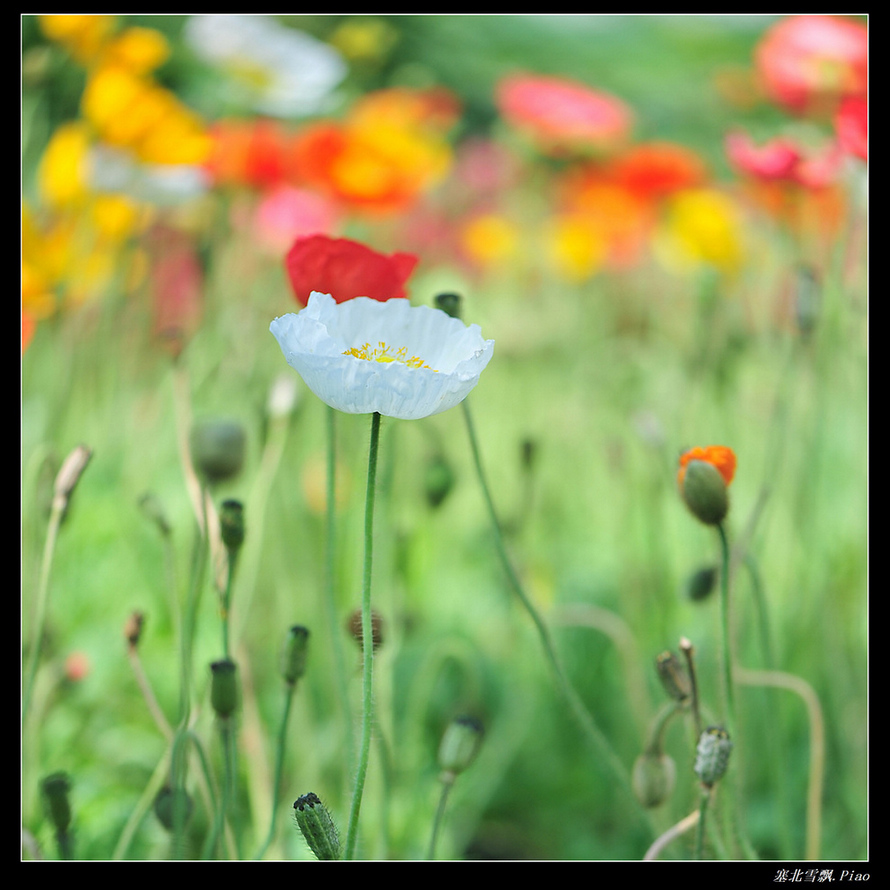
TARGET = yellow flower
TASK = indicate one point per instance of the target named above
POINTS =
(82, 35)
(576, 247)
(139, 50)
(489, 239)
(62, 175)
(704, 227)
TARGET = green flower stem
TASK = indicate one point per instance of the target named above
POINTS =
(49, 549)
(279, 766)
(367, 644)
(226, 603)
(447, 785)
(330, 597)
(702, 813)
(581, 714)
(726, 633)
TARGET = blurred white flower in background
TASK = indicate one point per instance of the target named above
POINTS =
(275, 69)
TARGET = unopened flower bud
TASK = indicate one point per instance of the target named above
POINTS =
(133, 628)
(56, 788)
(705, 493)
(69, 475)
(653, 778)
(438, 481)
(317, 827)
(166, 804)
(217, 448)
(154, 510)
(674, 677)
(459, 746)
(449, 303)
(355, 628)
(807, 299)
(712, 755)
(700, 584)
(231, 525)
(224, 687)
(293, 655)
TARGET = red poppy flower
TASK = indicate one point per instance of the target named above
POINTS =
(345, 269)
(809, 62)
(719, 456)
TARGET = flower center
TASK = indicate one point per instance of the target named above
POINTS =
(386, 354)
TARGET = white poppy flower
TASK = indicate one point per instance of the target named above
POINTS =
(280, 71)
(363, 356)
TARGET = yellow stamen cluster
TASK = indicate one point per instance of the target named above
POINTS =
(385, 354)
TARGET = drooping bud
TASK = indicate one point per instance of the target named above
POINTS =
(807, 299)
(69, 475)
(154, 510)
(166, 803)
(449, 303)
(653, 777)
(224, 687)
(217, 448)
(293, 655)
(317, 827)
(673, 676)
(712, 755)
(459, 746)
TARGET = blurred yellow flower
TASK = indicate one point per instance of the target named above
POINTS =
(575, 246)
(63, 172)
(489, 239)
(139, 50)
(131, 111)
(82, 35)
(703, 227)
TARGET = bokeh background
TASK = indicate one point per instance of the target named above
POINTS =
(660, 220)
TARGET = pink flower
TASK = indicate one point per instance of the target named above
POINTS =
(808, 63)
(784, 160)
(560, 115)
(851, 126)
(345, 269)
(286, 213)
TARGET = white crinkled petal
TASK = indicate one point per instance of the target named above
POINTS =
(314, 342)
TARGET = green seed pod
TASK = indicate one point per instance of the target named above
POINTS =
(701, 583)
(673, 675)
(705, 493)
(293, 655)
(231, 525)
(460, 744)
(224, 687)
(317, 827)
(56, 788)
(165, 803)
(449, 303)
(712, 755)
(217, 448)
(653, 778)
(438, 481)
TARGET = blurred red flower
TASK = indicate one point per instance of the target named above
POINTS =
(252, 153)
(345, 269)
(653, 170)
(562, 115)
(851, 126)
(808, 63)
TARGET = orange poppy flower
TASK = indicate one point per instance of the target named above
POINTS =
(720, 456)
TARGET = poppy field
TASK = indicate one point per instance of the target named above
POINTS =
(444, 437)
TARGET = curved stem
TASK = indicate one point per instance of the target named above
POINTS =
(725, 629)
(579, 711)
(367, 643)
(440, 813)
